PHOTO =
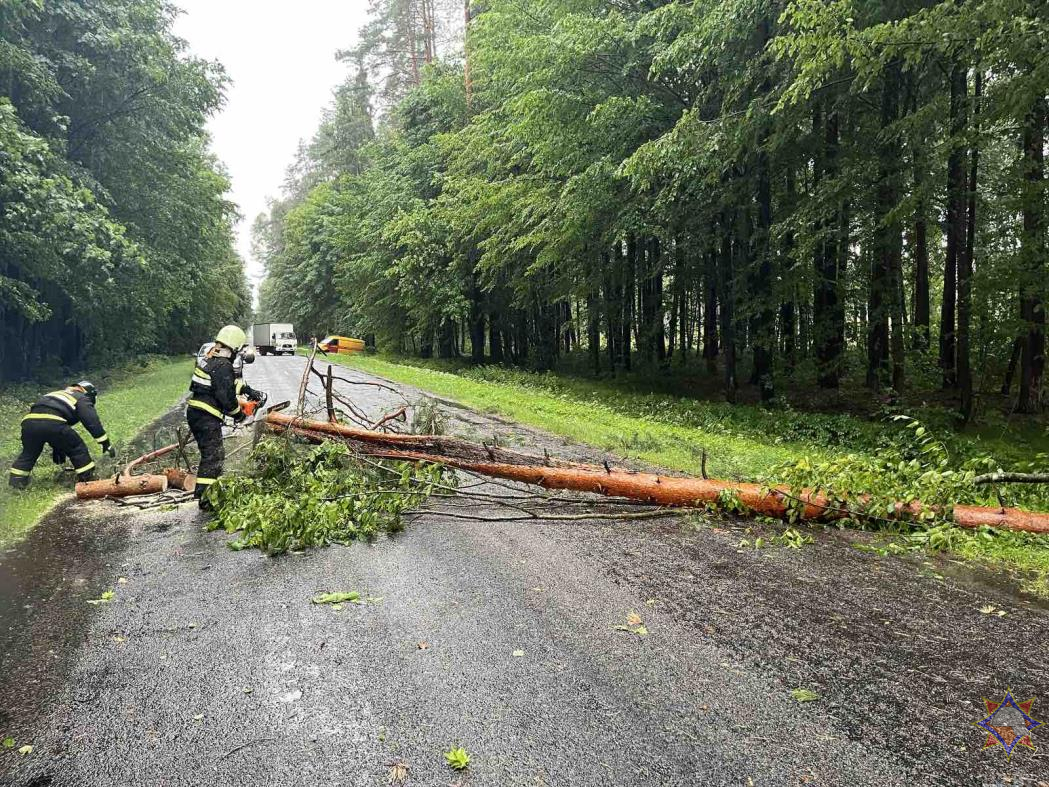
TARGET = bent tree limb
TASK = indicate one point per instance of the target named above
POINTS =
(1012, 478)
(644, 487)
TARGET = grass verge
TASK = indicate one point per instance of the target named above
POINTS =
(131, 398)
(742, 442)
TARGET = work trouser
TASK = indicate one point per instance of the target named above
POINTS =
(65, 444)
(207, 431)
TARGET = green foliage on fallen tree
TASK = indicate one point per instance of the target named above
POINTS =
(293, 497)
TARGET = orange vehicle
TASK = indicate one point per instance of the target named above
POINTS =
(341, 345)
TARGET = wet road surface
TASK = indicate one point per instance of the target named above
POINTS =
(211, 667)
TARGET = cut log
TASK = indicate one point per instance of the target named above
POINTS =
(125, 486)
(180, 479)
(644, 487)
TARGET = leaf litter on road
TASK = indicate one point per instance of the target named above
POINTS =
(399, 773)
(458, 759)
(105, 598)
(336, 598)
(634, 625)
(990, 609)
(804, 695)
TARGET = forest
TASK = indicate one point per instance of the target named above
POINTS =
(116, 236)
(802, 194)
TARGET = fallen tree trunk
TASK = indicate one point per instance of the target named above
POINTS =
(645, 487)
(122, 486)
(426, 444)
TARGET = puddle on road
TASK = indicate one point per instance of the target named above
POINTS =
(993, 581)
(46, 580)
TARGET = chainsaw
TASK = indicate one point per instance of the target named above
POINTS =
(249, 408)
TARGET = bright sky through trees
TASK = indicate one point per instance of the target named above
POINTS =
(280, 58)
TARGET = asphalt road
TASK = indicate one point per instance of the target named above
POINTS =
(212, 667)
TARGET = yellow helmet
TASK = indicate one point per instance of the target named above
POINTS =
(233, 337)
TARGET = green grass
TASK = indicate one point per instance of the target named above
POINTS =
(743, 442)
(130, 398)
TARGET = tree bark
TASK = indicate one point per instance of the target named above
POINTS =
(763, 338)
(828, 310)
(726, 288)
(710, 307)
(887, 243)
(966, 263)
(955, 225)
(1033, 250)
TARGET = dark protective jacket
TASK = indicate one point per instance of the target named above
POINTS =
(214, 388)
(70, 407)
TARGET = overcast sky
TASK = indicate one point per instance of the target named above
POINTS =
(281, 59)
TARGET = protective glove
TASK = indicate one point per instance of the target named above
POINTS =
(107, 448)
(255, 396)
(240, 417)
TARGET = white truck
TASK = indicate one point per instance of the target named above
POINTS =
(277, 338)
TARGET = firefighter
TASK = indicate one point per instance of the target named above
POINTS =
(214, 396)
(50, 422)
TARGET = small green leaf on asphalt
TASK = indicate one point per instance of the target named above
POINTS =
(105, 598)
(458, 759)
(24, 750)
(336, 607)
(518, 653)
(248, 690)
(199, 717)
(374, 599)
(634, 625)
(336, 598)
(804, 695)
(987, 609)
(9, 743)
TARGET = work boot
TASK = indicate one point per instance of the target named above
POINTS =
(19, 481)
(85, 477)
(205, 505)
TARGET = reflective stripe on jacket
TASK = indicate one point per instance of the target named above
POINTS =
(72, 407)
(213, 388)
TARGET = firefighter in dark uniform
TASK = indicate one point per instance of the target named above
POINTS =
(214, 391)
(50, 422)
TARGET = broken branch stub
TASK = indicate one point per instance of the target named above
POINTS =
(649, 488)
